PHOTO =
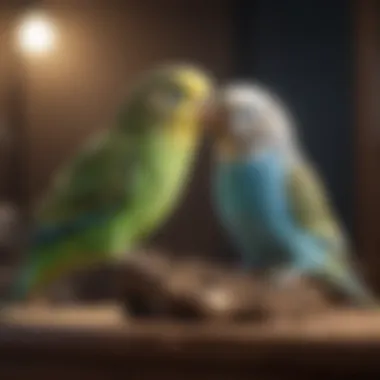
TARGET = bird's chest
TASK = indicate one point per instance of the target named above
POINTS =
(161, 181)
(251, 192)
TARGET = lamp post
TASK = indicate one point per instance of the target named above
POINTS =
(33, 36)
(30, 35)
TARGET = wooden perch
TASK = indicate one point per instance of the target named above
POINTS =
(154, 284)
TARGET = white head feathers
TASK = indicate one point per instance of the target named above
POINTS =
(257, 119)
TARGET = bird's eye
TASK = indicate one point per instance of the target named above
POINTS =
(247, 116)
(166, 101)
(243, 119)
(174, 97)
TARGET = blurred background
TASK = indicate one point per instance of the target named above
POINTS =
(61, 85)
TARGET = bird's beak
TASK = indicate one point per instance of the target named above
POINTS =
(215, 118)
(207, 111)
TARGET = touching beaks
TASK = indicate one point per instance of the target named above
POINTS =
(207, 112)
(215, 118)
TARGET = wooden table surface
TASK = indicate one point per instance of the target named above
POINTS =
(345, 342)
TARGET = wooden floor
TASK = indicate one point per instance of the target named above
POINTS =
(338, 325)
(99, 338)
(88, 317)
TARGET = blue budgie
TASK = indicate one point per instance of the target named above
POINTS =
(269, 197)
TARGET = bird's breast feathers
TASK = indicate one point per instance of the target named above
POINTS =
(254, 187)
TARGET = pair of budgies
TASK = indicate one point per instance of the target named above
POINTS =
(128, 180)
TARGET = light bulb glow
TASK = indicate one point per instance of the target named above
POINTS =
(36, 35)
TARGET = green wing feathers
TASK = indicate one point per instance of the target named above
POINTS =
(313, 211)
(310, 205)
(100, 175)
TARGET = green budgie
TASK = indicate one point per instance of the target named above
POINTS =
(124, 183)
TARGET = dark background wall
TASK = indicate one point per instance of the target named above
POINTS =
(304, 51)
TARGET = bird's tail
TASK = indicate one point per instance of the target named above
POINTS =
(21, 285)
(360, 293)
(17, 287)
(353, 288)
